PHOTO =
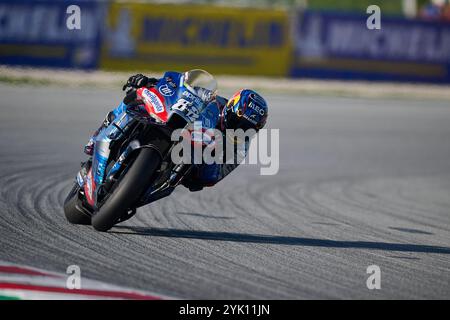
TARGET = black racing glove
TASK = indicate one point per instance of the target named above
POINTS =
(139, 81)
(135, 82)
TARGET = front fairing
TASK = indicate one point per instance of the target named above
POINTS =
(170, 87)
(178, 99)
(103, 140)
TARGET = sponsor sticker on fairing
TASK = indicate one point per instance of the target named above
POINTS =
(155, 101)
(166, 91)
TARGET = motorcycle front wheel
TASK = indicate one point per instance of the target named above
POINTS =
(128, 190)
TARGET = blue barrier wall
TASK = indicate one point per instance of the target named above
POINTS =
(35, 33)
(333, 45)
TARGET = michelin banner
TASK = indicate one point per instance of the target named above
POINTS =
(180, 37)
(45, 33)
(332, 45)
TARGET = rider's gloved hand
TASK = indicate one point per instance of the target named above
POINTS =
(139, 81)
(135, 82)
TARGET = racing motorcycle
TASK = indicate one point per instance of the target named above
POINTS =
(132, 165)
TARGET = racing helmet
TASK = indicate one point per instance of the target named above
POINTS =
(245, 110)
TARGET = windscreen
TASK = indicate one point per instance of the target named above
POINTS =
(201, 83)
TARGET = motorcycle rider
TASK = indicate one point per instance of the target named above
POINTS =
(245, 110)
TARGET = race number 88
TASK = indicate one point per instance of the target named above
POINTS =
(187, 108)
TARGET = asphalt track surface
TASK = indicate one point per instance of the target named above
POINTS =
(361, 182)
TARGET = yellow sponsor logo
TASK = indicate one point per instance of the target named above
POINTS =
(181, 37)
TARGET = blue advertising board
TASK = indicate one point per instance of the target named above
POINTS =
(335, 45)
(36, 33)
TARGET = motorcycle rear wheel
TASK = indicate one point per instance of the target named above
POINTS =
(128, 190)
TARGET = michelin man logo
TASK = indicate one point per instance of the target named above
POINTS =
(310, 43)
(121, 42)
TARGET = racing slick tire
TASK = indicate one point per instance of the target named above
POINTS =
(128, 190)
